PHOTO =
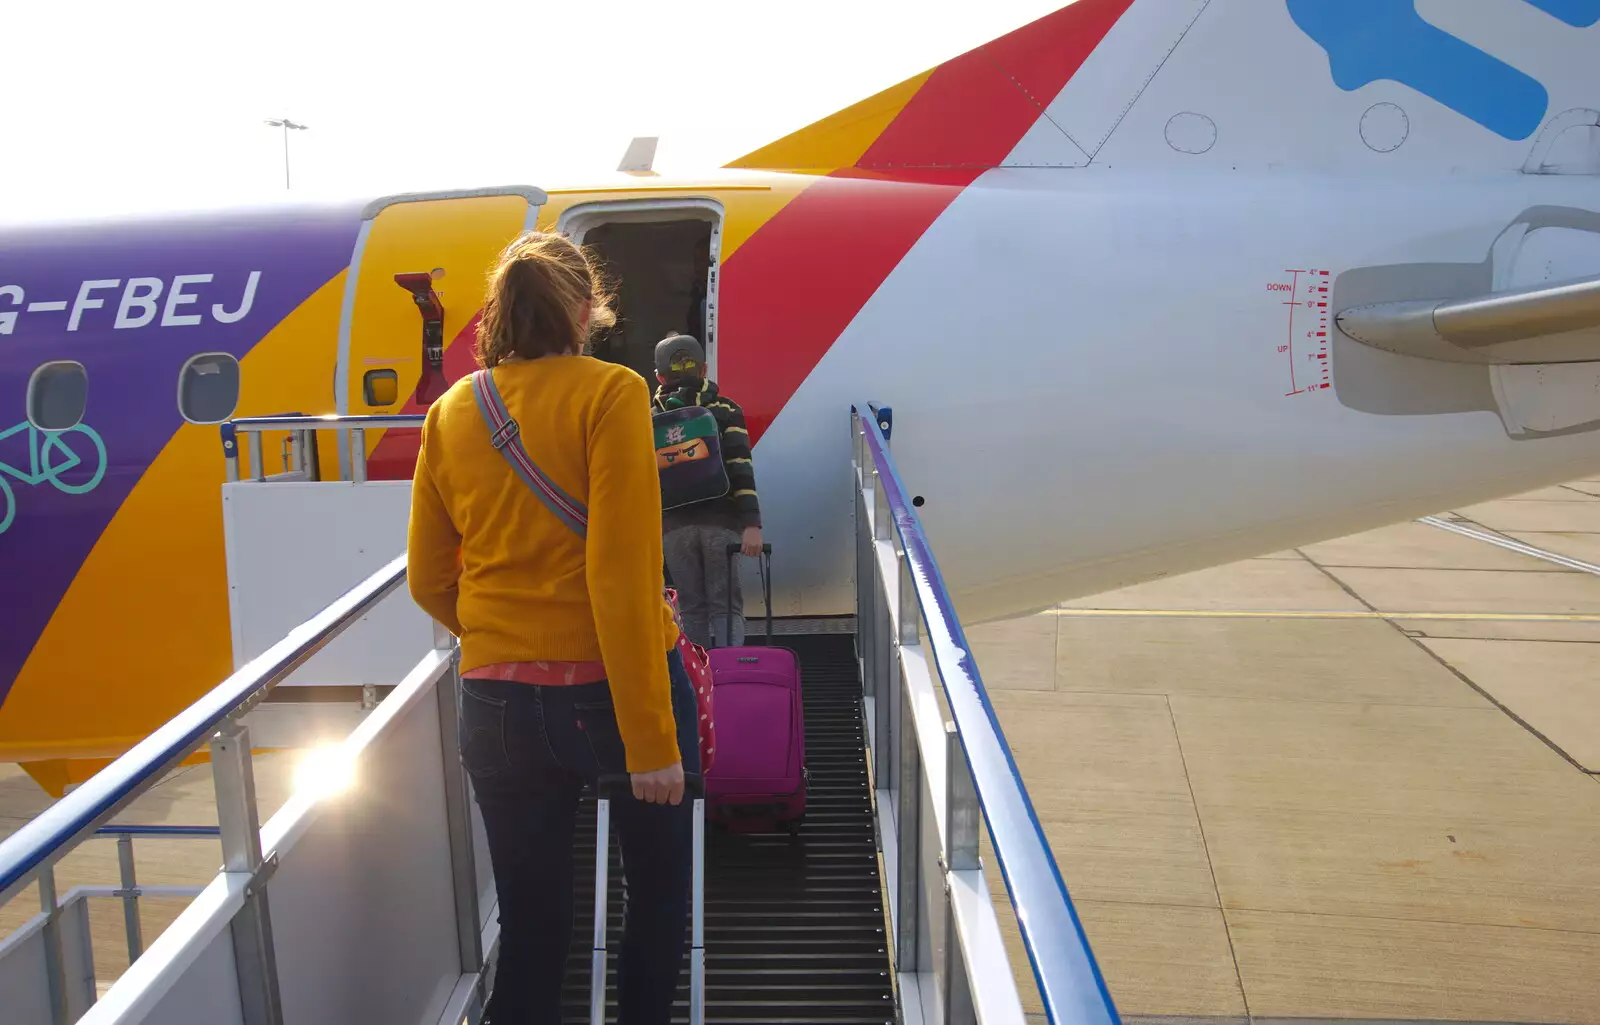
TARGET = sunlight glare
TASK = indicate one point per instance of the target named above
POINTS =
(324, 771)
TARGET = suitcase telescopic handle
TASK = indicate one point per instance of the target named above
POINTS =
(765, 566)
(612, 784)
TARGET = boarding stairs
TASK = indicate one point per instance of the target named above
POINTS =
(374, 903)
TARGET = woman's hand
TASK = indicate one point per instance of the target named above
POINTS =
(663, 786)
(751, 541)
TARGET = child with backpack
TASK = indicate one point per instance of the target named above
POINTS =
(697, 537)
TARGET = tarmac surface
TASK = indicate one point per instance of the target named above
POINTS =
(1356, 781)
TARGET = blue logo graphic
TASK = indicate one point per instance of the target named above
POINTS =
(1372, 40)
(1577, 13)
(47, 461)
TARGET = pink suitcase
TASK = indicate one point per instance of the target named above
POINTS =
(759, 780)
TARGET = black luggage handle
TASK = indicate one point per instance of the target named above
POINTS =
(765, 568)
(611, 783)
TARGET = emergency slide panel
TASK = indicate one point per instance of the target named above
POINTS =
(294, 546)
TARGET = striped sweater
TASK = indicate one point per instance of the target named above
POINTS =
(740, 508)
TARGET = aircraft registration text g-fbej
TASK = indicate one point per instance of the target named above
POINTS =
(183, 300)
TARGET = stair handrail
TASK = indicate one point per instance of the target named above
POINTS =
(1069, 978)
(301, 428)
(37, 846)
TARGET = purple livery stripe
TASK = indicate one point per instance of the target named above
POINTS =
(80, 300)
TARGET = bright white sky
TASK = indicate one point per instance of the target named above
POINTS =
(119, 107)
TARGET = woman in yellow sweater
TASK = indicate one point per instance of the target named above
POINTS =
(568, 665)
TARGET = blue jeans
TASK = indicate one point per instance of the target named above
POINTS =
(530, 751)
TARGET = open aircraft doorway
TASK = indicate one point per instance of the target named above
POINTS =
(661, 257)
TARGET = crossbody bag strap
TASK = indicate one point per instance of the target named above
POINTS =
(505, 436)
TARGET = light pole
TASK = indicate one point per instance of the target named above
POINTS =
(285, 124)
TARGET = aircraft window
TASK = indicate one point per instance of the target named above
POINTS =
(381, 387)
(57, 392)
(208, 388)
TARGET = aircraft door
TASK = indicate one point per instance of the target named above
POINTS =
(411, 303)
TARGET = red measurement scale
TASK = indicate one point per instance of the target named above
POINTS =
(1305, 295)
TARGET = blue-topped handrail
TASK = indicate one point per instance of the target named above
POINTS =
(1069, 978)
(55, 831)
(153, 831)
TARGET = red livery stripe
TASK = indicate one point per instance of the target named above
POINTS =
(795, 285)
(974, 109)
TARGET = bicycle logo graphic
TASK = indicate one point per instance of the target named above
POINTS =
(49, 456)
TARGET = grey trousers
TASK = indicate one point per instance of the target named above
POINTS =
(697, 558)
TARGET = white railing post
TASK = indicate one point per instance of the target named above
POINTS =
(358, 455)
(909, 634)
(908, 826)
(307, 443)
(866, 603)
(258, 459)
(885, 674)
(885, 671)
(130, 898)
(458, 808)
(54, 961)
(882, 516)
(254, 957)
(962, 816)
(866, 576)
(962, 812)
(865, 619)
